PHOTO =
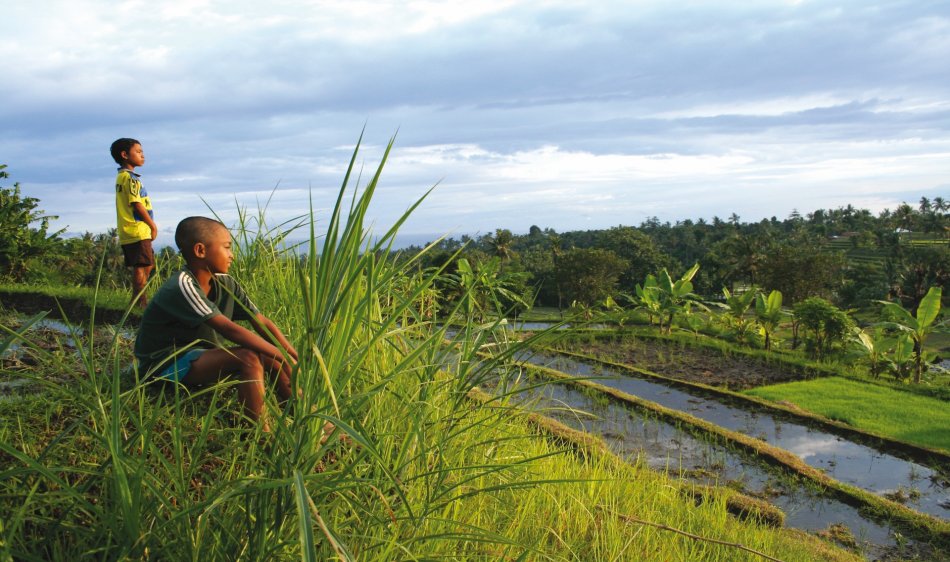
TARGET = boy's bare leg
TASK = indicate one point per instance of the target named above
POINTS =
(139, 280)
(277, 367)
(216, 364)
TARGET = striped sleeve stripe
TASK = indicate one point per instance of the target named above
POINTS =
(190, 292)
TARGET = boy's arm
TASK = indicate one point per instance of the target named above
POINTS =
(140, 209)
(247, 339)
(270, 332)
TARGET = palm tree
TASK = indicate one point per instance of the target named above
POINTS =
(501, 243)
(555, 240)
(905, 216)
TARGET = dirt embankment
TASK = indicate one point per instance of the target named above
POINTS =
(706, 366)
(74, 310)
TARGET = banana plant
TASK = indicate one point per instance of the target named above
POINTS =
(613, 311)
(667, 297)
(694, 322)
(736, 307)
(874, 346)
(677, 294)
(918, 325)
(768, 312)
(484, 287)
(649, 298)
(902, 357)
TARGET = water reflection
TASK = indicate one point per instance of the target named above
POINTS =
(845, 460)
(662, 446)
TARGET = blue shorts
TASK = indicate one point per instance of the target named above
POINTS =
(180, 366)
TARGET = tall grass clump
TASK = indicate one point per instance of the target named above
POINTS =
(110, 467)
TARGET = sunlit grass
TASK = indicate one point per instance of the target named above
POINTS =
(108, 467)
(908, 417)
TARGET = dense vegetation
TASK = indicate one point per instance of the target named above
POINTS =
(797, 281)
(30, 252)
(105, 466)
(846, 255)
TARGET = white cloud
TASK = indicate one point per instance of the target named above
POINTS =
(573, 113)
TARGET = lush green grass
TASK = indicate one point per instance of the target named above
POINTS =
(105, 298)
(76, 301)
(940, 342)
(104, 466)
(542, 314)
(904, 416)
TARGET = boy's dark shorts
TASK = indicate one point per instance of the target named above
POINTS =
(139, 254)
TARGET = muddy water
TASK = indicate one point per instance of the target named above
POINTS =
(49, 334)
(921, 487)
(663, 446)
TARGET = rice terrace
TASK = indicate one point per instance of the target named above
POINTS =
(700, 391)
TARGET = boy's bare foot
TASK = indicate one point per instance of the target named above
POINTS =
(328, 428)
(325, 432)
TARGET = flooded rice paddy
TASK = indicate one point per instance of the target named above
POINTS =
(664, 446)
(18, 361)
(636, 435)
(920, 487)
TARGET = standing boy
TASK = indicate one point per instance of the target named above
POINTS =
(133, 210)
(180, 333)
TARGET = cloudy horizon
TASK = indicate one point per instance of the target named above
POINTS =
(564, 115)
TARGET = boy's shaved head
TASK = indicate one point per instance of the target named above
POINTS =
(120, 146)
(192, 230)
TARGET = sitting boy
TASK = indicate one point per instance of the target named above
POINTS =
(178, 337)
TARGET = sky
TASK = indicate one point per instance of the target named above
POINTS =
(560, 114)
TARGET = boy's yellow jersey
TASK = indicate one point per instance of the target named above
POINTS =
(128, 190)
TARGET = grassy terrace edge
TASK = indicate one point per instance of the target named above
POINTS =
(921, 453)
(742, 506)
(74, 304)
(807, 367)
(920, 525)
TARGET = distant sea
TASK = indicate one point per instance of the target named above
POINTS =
(402, 240)
(406, 240)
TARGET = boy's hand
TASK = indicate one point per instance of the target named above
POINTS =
(154, 232)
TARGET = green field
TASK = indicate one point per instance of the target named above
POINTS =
(98, 464)
(908, 417)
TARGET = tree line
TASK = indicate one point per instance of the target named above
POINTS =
(801, 270)
(32, 252)
(847, 255)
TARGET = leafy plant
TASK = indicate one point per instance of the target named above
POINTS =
(21, 240)
(918, 326)
(649, 298)
(900, 358)
(874, 345)
(826, 325)
(665, 298)
(736, 312)
(485, 288)
(769, 313)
